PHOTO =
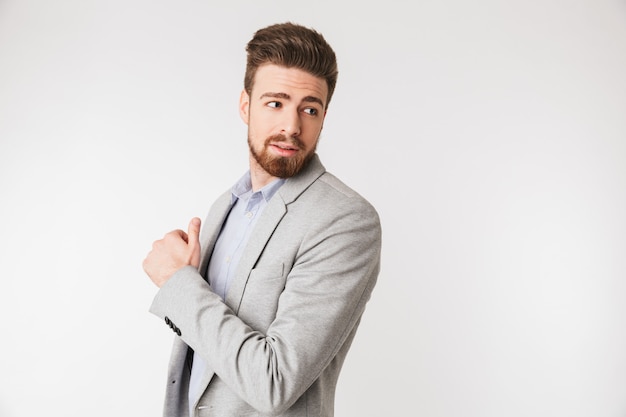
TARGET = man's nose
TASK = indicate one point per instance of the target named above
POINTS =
(291, 125)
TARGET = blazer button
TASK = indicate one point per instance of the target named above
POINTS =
(167, 320)
(178, 332)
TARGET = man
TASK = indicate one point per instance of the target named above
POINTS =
(266, 301)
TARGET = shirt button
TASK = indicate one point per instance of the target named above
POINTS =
(249, 214)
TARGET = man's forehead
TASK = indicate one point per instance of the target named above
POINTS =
(292, 83)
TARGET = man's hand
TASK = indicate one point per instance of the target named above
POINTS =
(176, 250)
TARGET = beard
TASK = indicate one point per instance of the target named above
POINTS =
(280, 166)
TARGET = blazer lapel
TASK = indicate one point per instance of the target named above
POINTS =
(271, 217)
(211, 230)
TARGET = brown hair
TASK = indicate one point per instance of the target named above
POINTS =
(292, 46)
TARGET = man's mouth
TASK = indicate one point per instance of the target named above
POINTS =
(284, 149)
(285, 146)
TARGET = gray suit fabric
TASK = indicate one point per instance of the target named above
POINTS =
(276, 345)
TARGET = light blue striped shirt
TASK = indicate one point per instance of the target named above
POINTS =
(236, 231)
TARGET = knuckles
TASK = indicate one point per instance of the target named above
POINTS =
(174, 236)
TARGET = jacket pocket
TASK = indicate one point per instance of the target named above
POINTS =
(260, 297)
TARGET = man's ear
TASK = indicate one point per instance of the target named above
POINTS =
(244, 106)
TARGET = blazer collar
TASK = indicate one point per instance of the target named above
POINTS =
(296, 185)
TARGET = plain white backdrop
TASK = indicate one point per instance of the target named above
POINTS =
(490, 135)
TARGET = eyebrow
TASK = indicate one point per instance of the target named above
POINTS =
(285, 96)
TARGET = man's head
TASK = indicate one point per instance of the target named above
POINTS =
(292, 46)
(290, 77)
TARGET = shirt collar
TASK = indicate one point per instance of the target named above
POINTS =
(243, 188)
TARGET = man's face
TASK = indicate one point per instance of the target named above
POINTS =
(285, 114)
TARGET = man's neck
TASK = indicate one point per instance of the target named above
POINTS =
(258, 176)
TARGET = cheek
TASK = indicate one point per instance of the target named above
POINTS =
(256, 139)
(257, 127)
(312, 133)
(257, 136)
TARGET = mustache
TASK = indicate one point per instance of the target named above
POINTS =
(289, 139)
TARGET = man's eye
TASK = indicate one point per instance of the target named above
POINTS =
(310, 111)
(274, 104)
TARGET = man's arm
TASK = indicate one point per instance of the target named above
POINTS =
(325, 294)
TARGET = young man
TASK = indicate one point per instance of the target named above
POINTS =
(266, 301)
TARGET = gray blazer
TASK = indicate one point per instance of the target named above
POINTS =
(275, 347)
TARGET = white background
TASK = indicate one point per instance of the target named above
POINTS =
(490, 135)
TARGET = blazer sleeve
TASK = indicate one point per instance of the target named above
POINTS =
(325, 294)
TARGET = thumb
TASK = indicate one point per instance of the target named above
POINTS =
(194, 241)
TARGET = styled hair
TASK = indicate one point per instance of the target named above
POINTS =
(292, 46)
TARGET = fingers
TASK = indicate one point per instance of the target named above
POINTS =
(179, 234)
(175, 250)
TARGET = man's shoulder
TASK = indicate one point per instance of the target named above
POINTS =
(329, 190)
(327, 179)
